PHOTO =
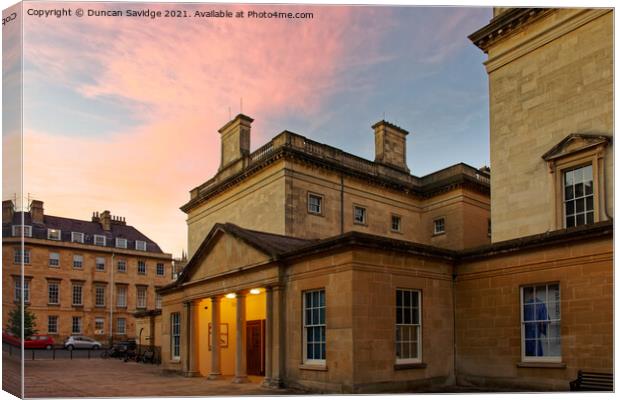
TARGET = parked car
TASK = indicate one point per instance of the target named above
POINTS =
(39, 342)
(33, 342)
(81, 342)
(11, 339)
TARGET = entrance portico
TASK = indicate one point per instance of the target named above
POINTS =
(232, 334)
(230, 301)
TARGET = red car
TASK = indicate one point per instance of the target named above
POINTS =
(11, 339)
(39, 342)
(33, 342)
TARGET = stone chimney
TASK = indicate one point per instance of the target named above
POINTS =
(391, 145)
(235, 138)
(106, 220)
(8, 209)
(36, 211)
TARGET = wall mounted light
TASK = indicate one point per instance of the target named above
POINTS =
(231, 295)
(255, 291)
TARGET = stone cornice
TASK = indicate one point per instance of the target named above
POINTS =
(86, 248)
(424, 187)
(567, 21)
(504, 25)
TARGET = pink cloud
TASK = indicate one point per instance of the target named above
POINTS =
(180, 77)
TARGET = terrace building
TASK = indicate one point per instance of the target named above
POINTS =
(80, 277)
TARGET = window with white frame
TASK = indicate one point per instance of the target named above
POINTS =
(53, 234)
(77, 237)
(121, 266)
(540, 323)
(120, 326)
(439, 226)
(396, 223)
(18, 230)
(160, 269)
(76, 325)
(315, 203)
(359, 215)
(52, 324)
(140, 245)
(20, 255)
(175, 335)
(121, 296)
(121, 243)
(18, 290)
(99, 325)
(578, 197)
(158, 301)
(140, 296)
(408, 326)
(314, 326)
(78, 261)
(53, 291)
(99, 296)
(141, 267)
(54, 260)
(99, 240)
(76, 293)
(100, 264)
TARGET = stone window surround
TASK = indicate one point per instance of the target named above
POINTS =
(17, 288)
(364, 215)
(20, 256)
(407, 363)
(541, 361)
(400, 223)
(320, 363)
(56, 282)
(321, 202)
(593, 156)
(436, 220)
(55, 324)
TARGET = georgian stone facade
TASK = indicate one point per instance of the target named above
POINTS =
(72, 282)
(336, 299)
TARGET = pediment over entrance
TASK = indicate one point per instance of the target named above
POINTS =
(230, 248)
(575, 142)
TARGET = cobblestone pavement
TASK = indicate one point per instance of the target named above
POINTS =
(115, 378)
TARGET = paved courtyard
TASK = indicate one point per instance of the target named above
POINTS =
(113, 378)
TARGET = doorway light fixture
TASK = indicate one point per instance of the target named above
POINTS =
(255, 291)
(231, 295)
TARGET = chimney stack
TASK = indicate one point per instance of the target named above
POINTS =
(235, 139)
(8, 209)
(391, 145)
(106, 220)
(36, 211)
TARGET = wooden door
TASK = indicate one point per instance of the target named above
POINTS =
(255, 350)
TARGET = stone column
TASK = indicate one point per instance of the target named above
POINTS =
(216, 371)
(268, 335)
(278, 333)
(191, 352)
(241, 375)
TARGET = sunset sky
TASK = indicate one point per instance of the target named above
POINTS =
(122, 113)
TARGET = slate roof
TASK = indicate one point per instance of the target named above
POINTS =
(88, 228)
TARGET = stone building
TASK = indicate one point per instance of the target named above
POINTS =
(80, 277)
(318, 269)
